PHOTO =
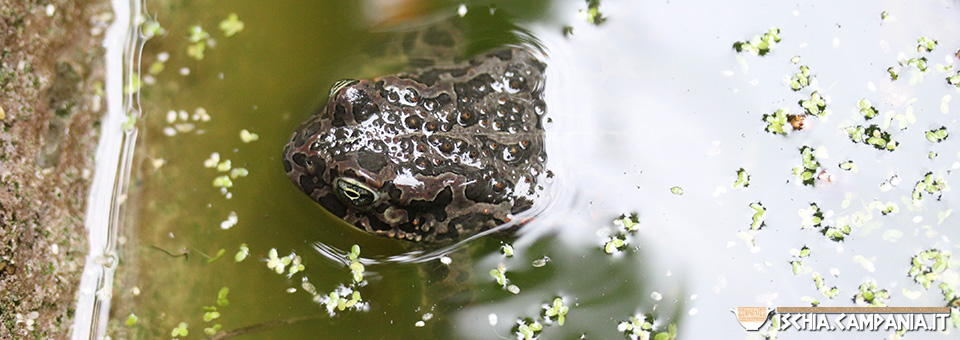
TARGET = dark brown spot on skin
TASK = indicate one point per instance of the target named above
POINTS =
(310, 183)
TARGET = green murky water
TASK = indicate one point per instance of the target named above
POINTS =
(653, 112)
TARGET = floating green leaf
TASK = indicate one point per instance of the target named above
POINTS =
(218, 256)
(180, 330)
(925, 44)
(777, 121)
(242, 253)
(937, 135)
(872, 135)
(231, 25)
(759, 215)
(800, 79)
(815, 106)
(759, 44)
(867, 110)
(743, 179)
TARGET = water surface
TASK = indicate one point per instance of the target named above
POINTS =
(649, 103)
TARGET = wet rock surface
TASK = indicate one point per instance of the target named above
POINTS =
(51, 81)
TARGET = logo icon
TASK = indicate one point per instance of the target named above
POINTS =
(752, 318)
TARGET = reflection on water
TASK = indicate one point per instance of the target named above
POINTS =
(647, 116)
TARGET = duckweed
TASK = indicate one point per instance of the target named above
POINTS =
(927, 266)
(811, 217)
(925, 44)
(231, 221)
(356, 268)
(815, 106)
(836, 234)
(500, 275)
(870, 295)
(238, 172)
(151, 28)
(760, 44)
(849, 166)
(867, 110)
(929, 185)
(629, 222)
(641, 327)
(557, 310)
(800, 79)
(180, 330)
(919, 63)
(797, 267)
(247, 136)
(507, 250)
(819, 283)
(198, 42)
(954, 79)
(872, 135)
(131, 320)
(743, 179)
(807, 171)
(242, 253)
(759, 215)
(894, 74)
(231, 25)
(615, 244)
(592, 12)
(222, 296)
(777, 121)
(677, 191)
(213, 330)
(527, 329)
(218, 256)
(937, 135)
(211, 315)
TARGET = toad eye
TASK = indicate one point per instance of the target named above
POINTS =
(355, 193)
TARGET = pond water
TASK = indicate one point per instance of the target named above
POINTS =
(653, 112)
